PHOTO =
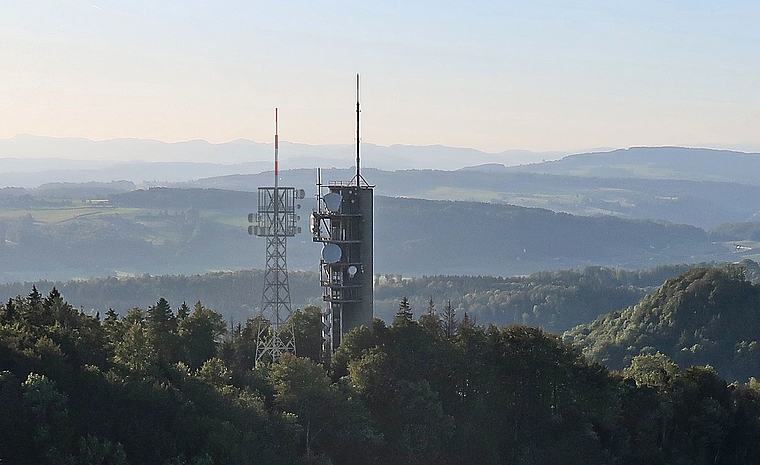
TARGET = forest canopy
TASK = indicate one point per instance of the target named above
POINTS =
(705, 316)
(166, 385)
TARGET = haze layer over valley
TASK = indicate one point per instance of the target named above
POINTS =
(629, 209)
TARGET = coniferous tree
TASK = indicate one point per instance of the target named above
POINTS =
(113, 329)
(183, 311)
(58, 309)
(34, 297)
(468, 321)
(35, 313)
(160, 317)
(8, 312)
(404, 315)
(111, 316)
(450, 320)
(162, 331)
(430, 319)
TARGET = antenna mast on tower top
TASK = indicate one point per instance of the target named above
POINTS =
(358, 175)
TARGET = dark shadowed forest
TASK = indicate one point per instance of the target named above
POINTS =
(165, 385)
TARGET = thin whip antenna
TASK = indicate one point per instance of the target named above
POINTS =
(319, 186)
(358, 176)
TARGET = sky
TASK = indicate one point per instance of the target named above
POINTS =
(491, 75)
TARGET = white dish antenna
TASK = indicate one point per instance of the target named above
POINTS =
(331, 253)
(332, 201)
(352, 270)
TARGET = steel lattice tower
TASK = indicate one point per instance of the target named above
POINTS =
(275, 220)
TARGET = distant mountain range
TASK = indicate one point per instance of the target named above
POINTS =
(28, 161)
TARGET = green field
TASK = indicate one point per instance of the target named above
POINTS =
(454, 193)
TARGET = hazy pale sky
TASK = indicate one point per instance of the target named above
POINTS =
(537, 75)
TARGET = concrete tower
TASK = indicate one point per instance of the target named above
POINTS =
(343, 223)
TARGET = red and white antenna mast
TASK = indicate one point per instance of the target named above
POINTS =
(276, 221)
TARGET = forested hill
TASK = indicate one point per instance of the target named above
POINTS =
(692, 186)
(705, 316)
(424, 236)
(177, 231)
(699, 203)
(158, 387)
(657, 163)
(553, 300)
(236, 295)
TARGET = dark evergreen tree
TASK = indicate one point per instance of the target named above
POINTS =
(449, 320)
(34, 312)
(59, 310)
(34, 297)
(111, 317)
(404, 314)
(183, 311)
(467, 322)
(8, 312)
(161, 327)
(430, 320)
(160, 317)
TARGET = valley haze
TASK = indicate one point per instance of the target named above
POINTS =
(631, 208)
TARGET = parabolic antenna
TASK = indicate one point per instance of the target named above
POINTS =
(332, 200)
(331, 253)
(352, 270)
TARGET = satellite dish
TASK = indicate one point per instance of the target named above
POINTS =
(352, 270)
(331, 253)
(332, 200)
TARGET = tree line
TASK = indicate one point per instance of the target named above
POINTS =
(166, 385)
(553, 300)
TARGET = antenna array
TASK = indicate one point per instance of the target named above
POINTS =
(275, 220)
(343, 223)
